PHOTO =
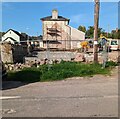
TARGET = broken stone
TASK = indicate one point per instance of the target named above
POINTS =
(78, 57)
(8, 111)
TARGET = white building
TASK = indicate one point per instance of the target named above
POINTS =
(59, 34)
(13, 36)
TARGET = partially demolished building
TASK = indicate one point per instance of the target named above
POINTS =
(58, 34)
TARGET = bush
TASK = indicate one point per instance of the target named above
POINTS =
(58, 71)
(27, 75)
(111, 64)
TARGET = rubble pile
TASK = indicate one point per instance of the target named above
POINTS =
(36, 63)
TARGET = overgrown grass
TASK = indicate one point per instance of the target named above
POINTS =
(111, 64)
(59, 71)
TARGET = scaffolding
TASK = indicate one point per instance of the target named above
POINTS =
(56, 36)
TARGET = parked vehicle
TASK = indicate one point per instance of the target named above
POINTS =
(114, 45)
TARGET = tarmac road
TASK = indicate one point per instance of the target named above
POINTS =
(77, 97)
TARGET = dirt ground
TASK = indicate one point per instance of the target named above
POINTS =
(113, 55)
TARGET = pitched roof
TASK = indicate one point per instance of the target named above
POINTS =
(19, 34)
(49, 18)
(22, 35)
(11, 39)
(15, 32)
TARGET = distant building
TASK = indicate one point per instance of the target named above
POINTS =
(13, 36)
(58, 34)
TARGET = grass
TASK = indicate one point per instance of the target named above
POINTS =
(60, 71)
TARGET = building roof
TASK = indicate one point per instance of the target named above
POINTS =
(11, 39)
(49, 18)
(19, 34)
(14, 32)
(22, 35)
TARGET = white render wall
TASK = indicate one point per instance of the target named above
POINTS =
(49, 24)
(63, 26)
(69, 36)
(9, 41)
(77, 34)
(11, 34)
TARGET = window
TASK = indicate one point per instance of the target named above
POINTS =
(114, 43)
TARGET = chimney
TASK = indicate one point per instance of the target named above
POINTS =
(116, 29)
(54, 14)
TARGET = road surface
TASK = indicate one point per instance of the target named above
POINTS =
(75, 97)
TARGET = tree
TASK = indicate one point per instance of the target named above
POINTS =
(2, 33)
(114, 34)
(101, 31)
(90, 32)
(118, 33)
(82, 28)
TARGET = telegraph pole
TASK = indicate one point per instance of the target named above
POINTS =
(96, 22)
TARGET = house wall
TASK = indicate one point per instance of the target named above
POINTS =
(11, 34)
(76, 37)
(61, 26)
(69, 36)
(9, 41)
(77, 34)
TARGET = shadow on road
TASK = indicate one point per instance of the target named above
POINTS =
(12, 84)
(20, 78)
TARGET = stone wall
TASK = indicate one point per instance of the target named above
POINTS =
(12, 53)
(53, 56)
(6, 53)
(19, 52)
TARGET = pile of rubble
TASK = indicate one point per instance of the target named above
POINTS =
(37, 63)
(19, 66)
(15, 67)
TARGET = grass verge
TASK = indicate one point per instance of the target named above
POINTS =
(60, 71)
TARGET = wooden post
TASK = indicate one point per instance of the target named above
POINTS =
(96, 22)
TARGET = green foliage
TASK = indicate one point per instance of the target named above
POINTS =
(1, 33)
(27, 75)
(115, 34)
(111, 64)
(90, 32)
(82, 28)
(58, 71)
(118, 33)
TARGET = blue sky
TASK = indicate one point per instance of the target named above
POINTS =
(25, 16)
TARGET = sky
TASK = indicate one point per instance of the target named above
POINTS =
(25, 16)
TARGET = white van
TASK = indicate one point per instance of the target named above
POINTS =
(114, 44)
